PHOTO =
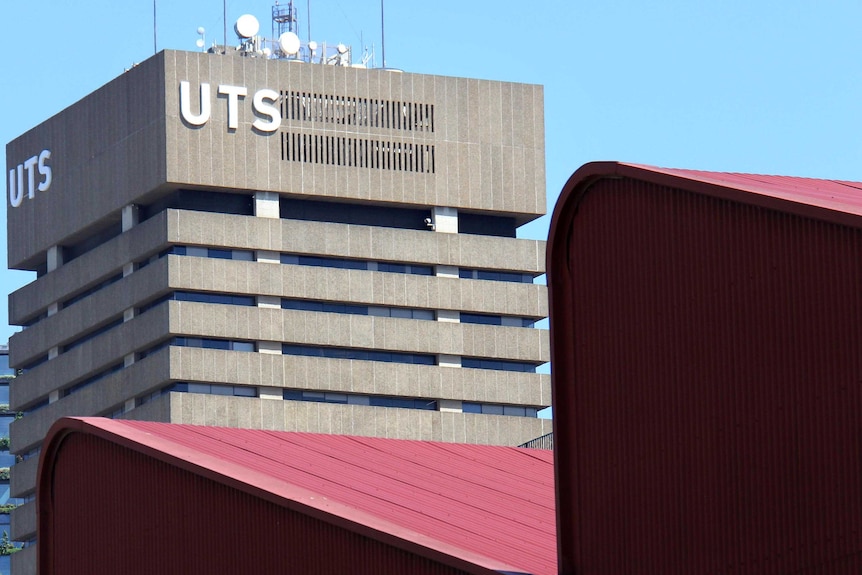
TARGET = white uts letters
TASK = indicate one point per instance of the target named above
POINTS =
(30, 166)
(186, 108)
(233, 93)
(262, 104)
(266, 109)
(45, 171)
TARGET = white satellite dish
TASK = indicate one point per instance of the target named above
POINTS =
(289, 43)
(199, 43)
(312, 45)
(201, 30)
(246, 26)
(341, 48)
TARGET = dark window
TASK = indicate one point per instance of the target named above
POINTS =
(403, 402)
(220, 254)
(101, 285)
(200, 201)
(358, 354)
(487, 319)
(374, 400)
(93, 379)
(91, 242)
(212, 343)
(492, 275)
(35, 363)
(494, 409)
(343, 213)
(498, 364)
(485, 225)
(93, 334)
(481, 319)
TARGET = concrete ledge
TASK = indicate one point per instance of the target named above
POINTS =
(24, 522)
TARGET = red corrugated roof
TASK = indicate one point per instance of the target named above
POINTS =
(490, 506)
(830, 200)
(833, 194)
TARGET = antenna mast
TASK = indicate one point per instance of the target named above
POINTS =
(382, 35)
(154, 26)
(283, 19)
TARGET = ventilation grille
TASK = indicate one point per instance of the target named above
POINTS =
(357, 152)
(353, 111)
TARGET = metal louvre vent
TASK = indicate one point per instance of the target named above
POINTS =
(354, 111)
(357, 152)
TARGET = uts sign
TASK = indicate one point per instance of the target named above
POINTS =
(29, 167)
(262, 104)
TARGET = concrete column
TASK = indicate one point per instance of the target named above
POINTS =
(55, 260)
(269, 301)
(266, 205)
(267, 257)
(271, 347)
(270, 393)
(451, 405)
(446, 271)
(129, 314)
(128, 359)
(445, 220)
(54, 396)
(128, 269)
(55, 257)
(53, 352)
(448, 315)
(130, 217)
(129, 405)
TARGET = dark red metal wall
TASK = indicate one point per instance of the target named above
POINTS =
(708, 386)
(114, 510)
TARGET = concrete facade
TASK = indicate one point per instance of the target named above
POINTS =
(206, 270)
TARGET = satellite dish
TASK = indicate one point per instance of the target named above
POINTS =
(246, 26)
(312, 45)
(200, 43)
(201, 30)
(267, 52)
(341, 48)
(289, 43)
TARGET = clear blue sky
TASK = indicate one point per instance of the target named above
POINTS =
(734, 85)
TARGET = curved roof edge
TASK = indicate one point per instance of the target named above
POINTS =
(256, 484)
(830, 200)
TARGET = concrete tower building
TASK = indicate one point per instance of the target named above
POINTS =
(269, 244)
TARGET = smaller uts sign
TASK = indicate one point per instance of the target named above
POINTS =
(25, 173)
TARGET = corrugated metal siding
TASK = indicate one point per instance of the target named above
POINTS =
(714, 419)
(119, 511)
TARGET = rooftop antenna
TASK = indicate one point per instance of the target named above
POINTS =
(154, 26)
(382, 35)
(224, 17)
(246, 29)
(283, 19)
